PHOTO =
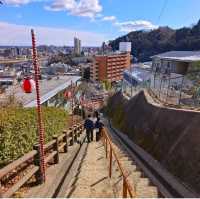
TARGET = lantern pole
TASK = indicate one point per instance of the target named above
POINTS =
(72, 103)
(39, 114)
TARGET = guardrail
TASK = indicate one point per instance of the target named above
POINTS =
(28, 165)
(126, 189)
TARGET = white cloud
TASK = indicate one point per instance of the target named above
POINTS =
(12, 34)
(109, 18)
(21, 2)
(129, 26)
(16, 2)
(84, 8)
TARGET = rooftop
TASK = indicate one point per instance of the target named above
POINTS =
(110, 54)
(184, 56)
(138, 73)
(48, 89)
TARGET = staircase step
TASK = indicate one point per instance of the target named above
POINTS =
(147, 192)
(143, 182)
(96, 167)
(77, 192)
(134, 177)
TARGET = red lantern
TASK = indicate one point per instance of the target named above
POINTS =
(28, 85)
(68, 94)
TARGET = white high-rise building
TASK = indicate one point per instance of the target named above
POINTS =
(77, 46)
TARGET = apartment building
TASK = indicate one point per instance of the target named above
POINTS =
(110, 66)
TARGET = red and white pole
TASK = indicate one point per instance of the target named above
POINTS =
(72, 103)
(39, 112)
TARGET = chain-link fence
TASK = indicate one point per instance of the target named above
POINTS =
(172, 88)
(177, 89)
(131, 90)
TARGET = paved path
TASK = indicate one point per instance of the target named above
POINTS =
(92, 179)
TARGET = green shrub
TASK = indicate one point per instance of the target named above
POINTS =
(18, 130)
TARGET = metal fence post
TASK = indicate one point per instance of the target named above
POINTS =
(160, 88)
(110, 168)
(168, 90)
(38, 175)
(56, 148)
(179, 100)
(66, 142)
(124, 189)
(106, 148)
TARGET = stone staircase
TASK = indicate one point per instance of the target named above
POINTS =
(91, 178)
(140, 184)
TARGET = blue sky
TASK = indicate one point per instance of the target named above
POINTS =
(58, 21)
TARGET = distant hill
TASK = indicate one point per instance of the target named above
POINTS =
(146, 44)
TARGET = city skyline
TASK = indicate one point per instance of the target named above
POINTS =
(57, 22)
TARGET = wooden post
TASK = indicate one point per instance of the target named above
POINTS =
(38, 175)
(66, 141)
(110, 168)
(75, 133)
(124, 189)
(71, 130)
(79, 130)
(56, 148)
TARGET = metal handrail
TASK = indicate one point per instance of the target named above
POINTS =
(126, 185)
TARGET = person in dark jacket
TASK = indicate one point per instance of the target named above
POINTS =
(99, 126)
(89, 126)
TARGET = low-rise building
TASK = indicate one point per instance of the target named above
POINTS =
(175, 77)
(179, 62)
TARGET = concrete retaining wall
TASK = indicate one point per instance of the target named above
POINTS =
(171, 136)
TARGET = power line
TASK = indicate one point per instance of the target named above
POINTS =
(163, 9)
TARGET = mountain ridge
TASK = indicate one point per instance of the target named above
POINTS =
(147, 44)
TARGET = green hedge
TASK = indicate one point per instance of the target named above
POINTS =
(18, 130)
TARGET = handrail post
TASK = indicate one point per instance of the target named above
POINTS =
(106, 148)
(38, 174)
(124, 188)
(110, 168)
(75, 133)
(66, 142)
(56, 148)
(79, 130)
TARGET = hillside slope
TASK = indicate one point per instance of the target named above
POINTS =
(146, 44)
(170, 136)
